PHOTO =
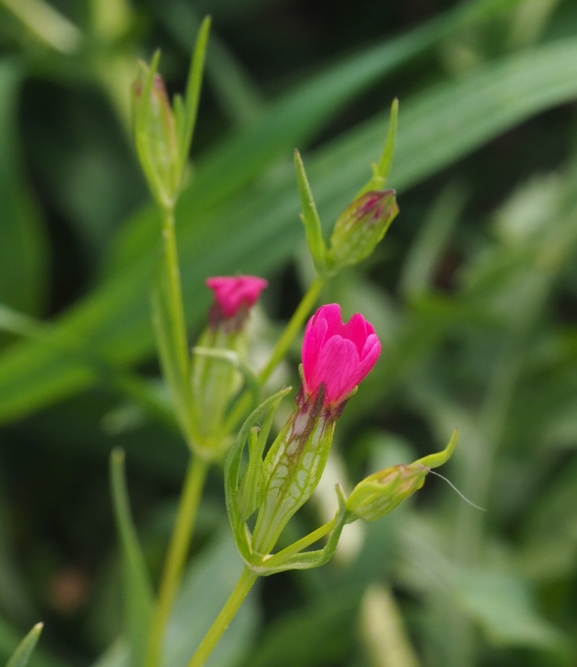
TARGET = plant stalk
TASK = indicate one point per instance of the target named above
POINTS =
(243, 586)
(176, 557)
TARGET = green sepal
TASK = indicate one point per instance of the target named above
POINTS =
(163, 134)
(23, 651)
(382, 169)
(236, 361)
(187, 120)
(293, 467)
(440, 458)
(252, 487)
(307, 560)
(379, 493)
(232, 468)
(155, 134)
(310, 218)
(216, 378)
(360, 227)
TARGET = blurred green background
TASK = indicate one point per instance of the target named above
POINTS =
(473, 293)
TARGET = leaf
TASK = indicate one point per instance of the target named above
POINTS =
(325, 631)
(502, 605)
(255, 232)
(22, 654)
(23, 251)
(138, 589)
(10, 640)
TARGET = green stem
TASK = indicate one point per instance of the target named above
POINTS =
(281, 348)
(303, 543)
(293, 327)
(174, 292)
(243, 586)
(176, 557)
(170, 325)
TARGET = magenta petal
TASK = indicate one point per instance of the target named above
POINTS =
(336, 367)
(357, 329)
(336, 354)
(231, 292)
(312, 343)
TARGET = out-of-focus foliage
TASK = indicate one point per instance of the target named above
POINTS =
(473, 293)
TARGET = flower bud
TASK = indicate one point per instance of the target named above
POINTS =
(360, 227)
(335, 358)
(337, 355)
(233, 298)
(382, 491)
(220, 353)
(155, 135)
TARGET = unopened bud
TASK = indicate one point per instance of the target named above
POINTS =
(219, 362)
(155, 134)
(381, 492)
(360, 227)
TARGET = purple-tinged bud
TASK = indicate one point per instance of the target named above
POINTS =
(360, 227)
(155, 135)
(381, 492)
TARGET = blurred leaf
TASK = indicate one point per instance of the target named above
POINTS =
(47, 24)
(423, 258)
(325, 631)
(501, 603)
(9, 641)
(237, 93)
(22, 654)
(138, 589)
(383, 630)
(23, 243)
(118, 655)
(549, 549)
(207, 584)
(115, 320)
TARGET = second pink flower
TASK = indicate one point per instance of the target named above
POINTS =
(336, 354)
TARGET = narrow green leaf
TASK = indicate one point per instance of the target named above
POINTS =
(310, 217)
(23, 246)
(192, 95)
(24, 650)
(138, 589)
(232, 85)
(176, 376)
(382, 169)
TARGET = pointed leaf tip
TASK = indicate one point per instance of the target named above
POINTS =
(440, 458)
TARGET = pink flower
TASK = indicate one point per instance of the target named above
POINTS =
(232, 292)
(336, 354)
